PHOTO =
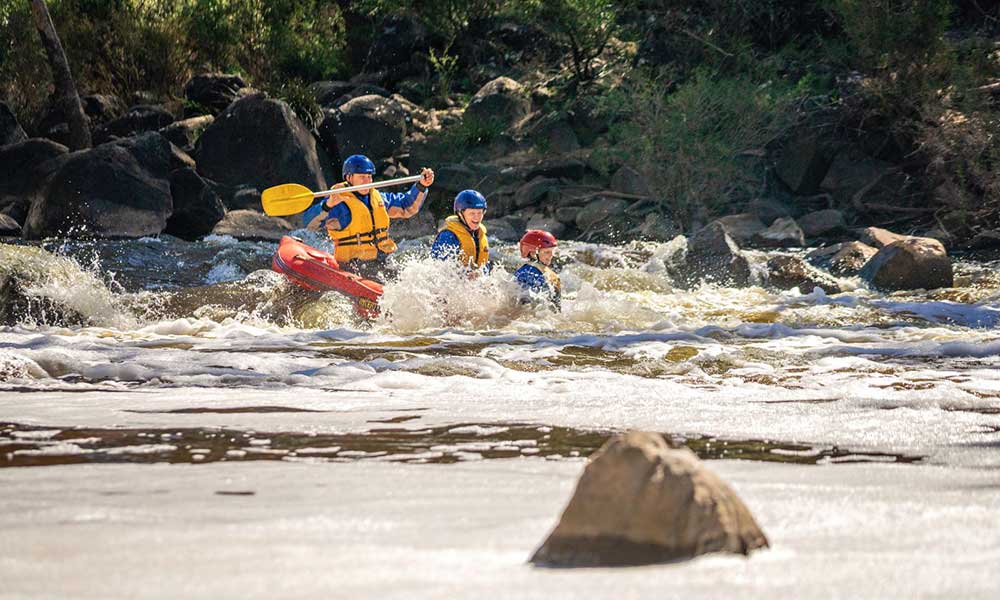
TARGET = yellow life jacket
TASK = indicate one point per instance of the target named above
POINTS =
(368, 231)
(552, 279)
(475, 251)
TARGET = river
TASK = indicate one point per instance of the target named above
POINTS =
(202, 428)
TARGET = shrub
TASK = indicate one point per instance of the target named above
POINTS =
(700, 145)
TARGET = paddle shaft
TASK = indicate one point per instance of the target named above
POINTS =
(374, 184)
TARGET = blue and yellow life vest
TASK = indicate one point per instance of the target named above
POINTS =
(475, 249)
(368, 231)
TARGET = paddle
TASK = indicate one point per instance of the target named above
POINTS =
(292, 198)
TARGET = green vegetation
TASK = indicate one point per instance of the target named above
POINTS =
(695, 95)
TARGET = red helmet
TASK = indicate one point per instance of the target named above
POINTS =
(536, 239)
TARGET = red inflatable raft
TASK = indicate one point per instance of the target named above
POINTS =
(317, 270)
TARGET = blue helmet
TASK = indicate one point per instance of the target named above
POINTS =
(469, 199)
(358, 163)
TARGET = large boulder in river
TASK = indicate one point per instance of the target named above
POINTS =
(252, 225)
(24, 168)
(259, 141)
(369, 125)
(118, 189)
(502, 101)
(639, 501)
(713, 255)
(10, 129)
(136, 120)
(211, 93)
(910, 264)
(197, 208)
(327, 93)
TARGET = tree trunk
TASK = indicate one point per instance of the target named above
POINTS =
(66, 97)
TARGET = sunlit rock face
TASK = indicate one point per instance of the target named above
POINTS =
(640, 501)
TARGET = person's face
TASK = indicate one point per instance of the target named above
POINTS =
(473, 217)
(545, 255)
(360, 179)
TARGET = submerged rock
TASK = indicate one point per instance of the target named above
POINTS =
(639, 501)
(910, 264)
(38, 287)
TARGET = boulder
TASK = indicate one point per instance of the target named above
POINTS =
(452, 178)
(552, 225)
(326, 92)
(101, 108)
(768, 209)
(853, 173)
(822, 222)
(639, 501)
(536, 192)
(804, 163)
(118, 189)
(656, 227)
(555, 137)
(508, 229)
(244, 197)
(197, 208)
(252, 225)
(369, 125)
(24, 168)
(742, 227)
(185, 133)
(25, 268)
(783, 233)
(10, 129)
(910, 264)
(559, 168)
(842, 259)
(260, 142)
(598, 210)
(211, 93)
(502, 101)
(398, 38)
(627, 180)
(787, 272)
(713, 255)
(879, 238)
(136, 120)
(8, 226)
(567, 214)
(419, 225)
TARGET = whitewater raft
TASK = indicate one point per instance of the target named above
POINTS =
(316, 270)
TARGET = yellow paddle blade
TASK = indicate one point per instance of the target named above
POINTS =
(286, 199)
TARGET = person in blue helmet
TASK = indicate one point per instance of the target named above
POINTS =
(536, 277)
(358, 222)
(463, 236)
